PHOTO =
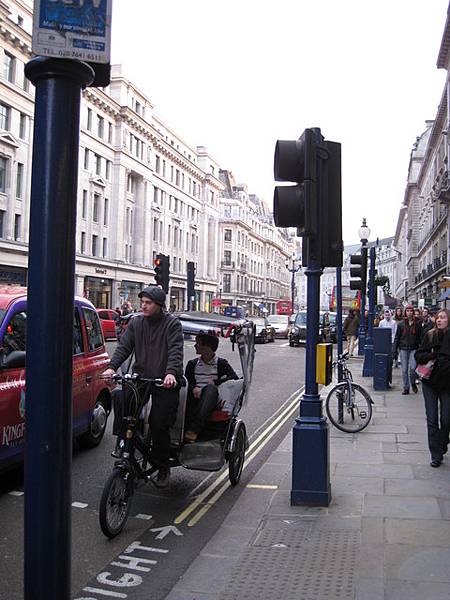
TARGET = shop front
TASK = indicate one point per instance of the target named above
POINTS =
(13, 275)
(177, 299)
(209, 296)
(98, 291)
(128, 291)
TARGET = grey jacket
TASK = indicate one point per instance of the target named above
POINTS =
(157, 344)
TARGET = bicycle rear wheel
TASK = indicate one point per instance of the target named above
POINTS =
(349, 408)
(115, 502)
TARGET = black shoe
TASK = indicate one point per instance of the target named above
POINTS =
(414, 388)
(435, 463)
(405, 391)
(162, 478)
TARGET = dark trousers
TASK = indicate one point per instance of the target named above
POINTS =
(438, 425)
(162, 417)
(199, 409)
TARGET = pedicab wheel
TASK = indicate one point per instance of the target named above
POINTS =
(236, 457)
(115, 502)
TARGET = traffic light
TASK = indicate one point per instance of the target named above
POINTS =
(296, 205)
(190, 284)
(162, 271)
(314, 204)
(360, 271)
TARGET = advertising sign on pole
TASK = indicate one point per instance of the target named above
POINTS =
(73, 29)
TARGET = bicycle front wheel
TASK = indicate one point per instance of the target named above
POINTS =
(349, 407)
(116, 502)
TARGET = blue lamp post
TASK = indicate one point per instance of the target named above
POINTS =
(363, 233)
(293, 268)
(368, 350)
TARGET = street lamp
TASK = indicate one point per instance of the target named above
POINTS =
(293, 268)
(364, 233)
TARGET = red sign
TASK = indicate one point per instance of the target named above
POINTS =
(216, 302)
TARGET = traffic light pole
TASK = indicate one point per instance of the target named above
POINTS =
(340, 343)
(310, 458)
(48, 451)
(368, 350)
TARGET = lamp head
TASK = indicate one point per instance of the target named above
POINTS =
(364, 231)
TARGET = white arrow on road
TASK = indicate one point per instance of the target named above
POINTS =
(165, 531)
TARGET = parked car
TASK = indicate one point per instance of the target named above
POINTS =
(264, 332)
(108, 319)
(280, 324)
(91, 395)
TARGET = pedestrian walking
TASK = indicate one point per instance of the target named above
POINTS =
(388, 322)
(156, 338)
(398, 316)
(406, 342)
(351, 325)
(435, 347)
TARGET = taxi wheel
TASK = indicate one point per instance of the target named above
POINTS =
(99, 418)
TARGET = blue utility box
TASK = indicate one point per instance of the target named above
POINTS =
(382, 362)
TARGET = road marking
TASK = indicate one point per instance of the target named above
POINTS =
(16, 493)
(261, 486)
(163, 531)
(284, 345)
(253, 451)
(143, 516)
(79, 504)
(109, 593)
(227, 484)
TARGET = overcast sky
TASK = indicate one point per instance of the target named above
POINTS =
(236, 76)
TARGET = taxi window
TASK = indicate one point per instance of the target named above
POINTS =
(103, 314)
(15, 337)
(77, 334)
(93, 329)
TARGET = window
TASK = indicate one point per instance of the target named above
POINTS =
(89, 119)
(23, 126)
(108, 170)
(3, 173)
(94, 245)
(106, 213)
(95, 208)
(2, 223)
(105, 247)
(77, 334)
(9, 63)
(227, 257)
(15, 337)
(155, 230)
(157, 163)
(93, 329)
(19, 21)
(98, 164)
(86, 158)
(19, 181)
(83, 242)
(100, 126)
(227, 282)
(5, 116)
(110, 133)
(227, 235)
(17, 223)
(84, 204)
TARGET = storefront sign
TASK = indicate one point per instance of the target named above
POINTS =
(75, 29)
(101, 271)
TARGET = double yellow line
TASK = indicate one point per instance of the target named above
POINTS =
(256, 446)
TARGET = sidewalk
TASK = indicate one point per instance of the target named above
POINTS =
(385, 535)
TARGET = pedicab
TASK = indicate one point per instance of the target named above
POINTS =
(223, 440)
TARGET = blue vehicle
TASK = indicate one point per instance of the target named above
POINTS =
(237, 312)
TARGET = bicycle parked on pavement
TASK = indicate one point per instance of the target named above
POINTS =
(348, 404)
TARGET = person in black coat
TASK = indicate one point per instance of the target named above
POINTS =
(204, 374)
(436, 390)
(407, 340)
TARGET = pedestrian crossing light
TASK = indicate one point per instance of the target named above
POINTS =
(162, 271)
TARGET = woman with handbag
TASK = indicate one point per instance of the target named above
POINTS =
(434, 352)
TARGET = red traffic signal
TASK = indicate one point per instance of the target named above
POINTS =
(161, 265)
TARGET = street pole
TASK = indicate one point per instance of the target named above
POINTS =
(368, 350)
(48, 451)
(340, 344)
(362, 321)
(310, 447)
(293, 286)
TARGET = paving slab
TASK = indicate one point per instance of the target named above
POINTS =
(417, 563)
(406, 507)
(422, 532)
(403, 590)
(407, 458)
(418, 487)
(383, 470)
(357, 485)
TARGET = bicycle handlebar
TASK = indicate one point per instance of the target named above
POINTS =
(135, 377)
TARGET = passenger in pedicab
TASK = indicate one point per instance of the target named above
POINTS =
(204, 375)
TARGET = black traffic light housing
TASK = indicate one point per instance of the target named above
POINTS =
(359, 271)
(162, 271)
(314, 204)
(190, 284)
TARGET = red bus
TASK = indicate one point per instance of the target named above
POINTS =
(284, 307)
(350, 299)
